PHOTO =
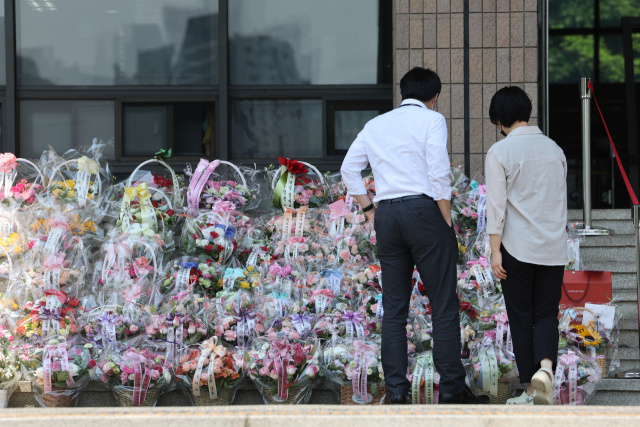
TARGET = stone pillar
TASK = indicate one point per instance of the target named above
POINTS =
(503, 41)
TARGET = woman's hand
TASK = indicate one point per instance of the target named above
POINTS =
(496, 265)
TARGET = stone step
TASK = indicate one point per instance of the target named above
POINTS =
(334, 415)
(612, 266)
(617, 392)
(610, 214)
(619, 240)
(610, 253)
(624, 280)
(625, 295)
(615, 226)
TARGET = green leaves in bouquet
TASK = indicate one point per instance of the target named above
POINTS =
(374, 389)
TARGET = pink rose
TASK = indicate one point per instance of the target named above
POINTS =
(219, 331)
(474, 215)
(264, 371)
(259, 328)
(230, 335)
(354, 250)
(294, 335)
(272, 336)
(87, 329)
(155, 374)
(133, 328)
(467, 211)
(345, 255)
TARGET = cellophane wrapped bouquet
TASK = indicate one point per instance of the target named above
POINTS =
(273, 279)
(137, 375)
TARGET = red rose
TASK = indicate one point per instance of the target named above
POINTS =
(91, 364)
(126, 332)
(170, 213)
(235, 245)
(208, 248)
(154, 204)
(464, 306)
(214, 235)
(73, 302)
(306, 180)
(209, 261)
(159, 368)
(220, 248)
(429, 311)
(264, 248)
(195, 236)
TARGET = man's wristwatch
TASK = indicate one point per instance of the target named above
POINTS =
(368, 208)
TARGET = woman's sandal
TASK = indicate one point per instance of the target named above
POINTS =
(523, 399)
(542, 383)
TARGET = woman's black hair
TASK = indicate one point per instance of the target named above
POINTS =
(509, 105)
(421, 84)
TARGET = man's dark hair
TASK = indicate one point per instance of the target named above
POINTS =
(421, 84)
(509, 105)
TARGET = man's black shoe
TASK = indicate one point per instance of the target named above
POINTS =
(398, 400)
(465, 397)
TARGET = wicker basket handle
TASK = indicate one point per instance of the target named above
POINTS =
(174, 178)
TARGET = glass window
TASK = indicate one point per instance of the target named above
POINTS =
(193, 129)
(611, 61)
(144, 130)
(186, 128)
(571, 14)
(117, 42)
(611, 11)
(570, 58)
(3, 63)
(348, 126)
(65, 125)
(266, 129)
(308, 42)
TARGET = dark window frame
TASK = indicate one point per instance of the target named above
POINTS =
(221, 95)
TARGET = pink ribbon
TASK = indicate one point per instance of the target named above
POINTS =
(8, 163)
(59, 221)
(323, 292)
(133, 294)
(281, 351)
(223, 207)
(359, 381)
(117, 250)
(338, 210)
(198, 181)
(140, 383)
(55, 261)
(484, 262)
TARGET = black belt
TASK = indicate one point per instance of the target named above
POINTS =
(405, 198)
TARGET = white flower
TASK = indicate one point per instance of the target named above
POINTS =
(166, 375)
(157, 196)
(88, 345)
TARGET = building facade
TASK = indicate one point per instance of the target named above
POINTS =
(250, 80)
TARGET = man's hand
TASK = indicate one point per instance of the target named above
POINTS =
(371, 215)
(445, 210)
(496, 265)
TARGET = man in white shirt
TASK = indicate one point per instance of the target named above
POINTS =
(407, 150)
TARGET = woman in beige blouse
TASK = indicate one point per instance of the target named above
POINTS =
(526, 220)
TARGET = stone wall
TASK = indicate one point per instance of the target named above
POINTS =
(503, 36)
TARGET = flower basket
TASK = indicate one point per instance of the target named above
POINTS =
(504, 393)
(292, 188)
(347, 397)
(225, 397)
(61, 397)
(296, 396)
(125, 396)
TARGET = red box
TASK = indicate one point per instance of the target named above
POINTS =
(581, 287)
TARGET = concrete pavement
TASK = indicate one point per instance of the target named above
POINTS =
(325, 415)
